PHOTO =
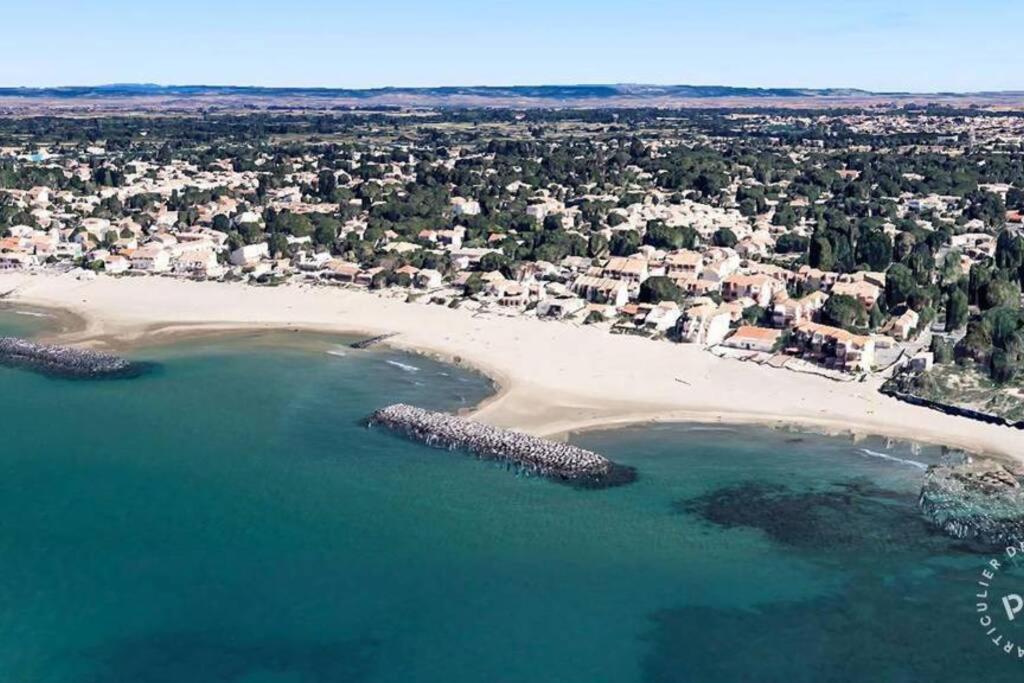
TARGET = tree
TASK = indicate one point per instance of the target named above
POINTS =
(494, 261)
(875, 250)
(326, 184)
(660, 288)
(900, 285)
(326, 234)
(820, 254)
(474, 285)
(942, 348)
(667, 237)
(977, 343)
(844, 311)
(977, 282)
(1001, 292)
(956, 309)
(597, 246)
(278, 244)
(1009, 251)
(724, 237)
(1002, 366)
(791, 243)
(624, 243)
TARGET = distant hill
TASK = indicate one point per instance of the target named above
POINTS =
(147, 96)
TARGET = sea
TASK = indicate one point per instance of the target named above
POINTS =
(229, 517)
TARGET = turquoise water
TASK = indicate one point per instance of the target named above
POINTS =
(227, 518)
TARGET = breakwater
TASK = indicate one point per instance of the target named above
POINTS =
(65, 361)
(531, 454)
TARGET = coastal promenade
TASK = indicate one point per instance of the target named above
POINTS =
(554, 377)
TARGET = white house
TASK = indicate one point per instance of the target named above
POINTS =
(151, 259)
(249, 254)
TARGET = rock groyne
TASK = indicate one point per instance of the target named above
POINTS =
(372, 341)
(559, 461)
(65, 361)
(981, 501)
(948, 409)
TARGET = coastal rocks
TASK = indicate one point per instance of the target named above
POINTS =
(981, 501)
(65, 361)
(558, 461)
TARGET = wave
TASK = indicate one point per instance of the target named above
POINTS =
(893, 458)
(336, 352)
(33, 314)
(403, 366)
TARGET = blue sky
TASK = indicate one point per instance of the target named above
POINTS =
(920, 45)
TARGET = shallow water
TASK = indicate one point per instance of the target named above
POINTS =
(227, 518)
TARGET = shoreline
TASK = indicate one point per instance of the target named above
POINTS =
(551, 379)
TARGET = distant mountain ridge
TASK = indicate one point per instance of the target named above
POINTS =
(556, 92)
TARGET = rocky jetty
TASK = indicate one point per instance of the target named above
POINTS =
(559, 461)
(981, 501)
(65, 361)
(372, 341)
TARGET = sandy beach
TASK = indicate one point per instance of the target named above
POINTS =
(554, 378)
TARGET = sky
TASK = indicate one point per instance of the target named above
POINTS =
(899, 45)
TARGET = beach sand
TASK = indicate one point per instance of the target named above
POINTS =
(554, 378)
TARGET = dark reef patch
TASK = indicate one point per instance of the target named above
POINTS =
(926, 631)
(850, 516)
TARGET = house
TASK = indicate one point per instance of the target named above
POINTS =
(601, 290)
(814, 278)
(428, 278)
(786, 312)
(15, 260)
(365, 277)
(151, 259)
(684, 264)
(902, 327)
(663, 317)
(451, 238)
(760, 288)
(627, 269)
(342, 271)
(249, 254)
(116, 264)
(749, 338)
(201, 263)
(537, 211)
(835, 347)
(705, 324)
(559, 307)
(510, 294)
(863, 291)
(921, 362)
(720, 263)
(465, 207)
